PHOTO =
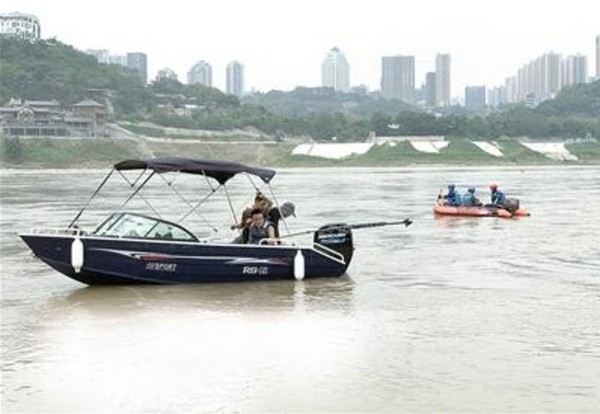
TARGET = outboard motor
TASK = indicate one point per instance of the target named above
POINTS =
(512, 204)
(337, 237)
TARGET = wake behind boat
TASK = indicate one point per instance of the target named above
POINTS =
(132, 248)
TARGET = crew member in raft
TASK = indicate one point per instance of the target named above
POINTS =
(260, 228)
(470, 200)
(498, 197)
(453, 198)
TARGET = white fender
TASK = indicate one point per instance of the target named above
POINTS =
(77, 254)
(299, 265)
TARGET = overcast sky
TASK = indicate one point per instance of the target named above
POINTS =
(282, 43)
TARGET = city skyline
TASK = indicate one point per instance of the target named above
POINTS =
(487, 43)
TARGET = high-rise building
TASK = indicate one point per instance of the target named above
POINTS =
(398, 78)
(598, 56)
(335, 71)
(25, 26)
(538, 80)
(200, 73)
(235, 78)
(574, 70)
(496, 96)
(430, 89)
(442, 80)
(550, 75)
(475, 98)
(544, 76)
(139, 63)
(511, 89)
(166, 73)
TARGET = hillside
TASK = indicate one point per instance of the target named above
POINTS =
(48, 69)
(581, 100)
(303, 101)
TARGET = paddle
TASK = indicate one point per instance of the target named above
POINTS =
(406, 222)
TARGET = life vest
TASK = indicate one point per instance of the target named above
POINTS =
(498, 197)
(468, 199)
(259, 233)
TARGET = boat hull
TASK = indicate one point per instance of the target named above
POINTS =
(130, 261)
(477, 211)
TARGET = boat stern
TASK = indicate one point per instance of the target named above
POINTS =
(338, 238)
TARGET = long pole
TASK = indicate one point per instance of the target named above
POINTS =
(406, 222)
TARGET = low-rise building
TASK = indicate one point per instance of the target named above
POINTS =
(47, 119)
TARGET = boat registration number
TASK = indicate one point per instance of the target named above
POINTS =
(255, 270)
(161, 267)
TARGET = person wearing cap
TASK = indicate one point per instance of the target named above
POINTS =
(469, 198)
(497, 197)
(274, 215)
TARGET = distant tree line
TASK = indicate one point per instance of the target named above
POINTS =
(48, 69)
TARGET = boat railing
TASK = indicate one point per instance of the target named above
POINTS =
(58, 231)
(319, 247)
(330, 252)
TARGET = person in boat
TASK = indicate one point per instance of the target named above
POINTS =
(452, 197)
(262, 202)
(497, 197)
(275, 214)
(469, 199)
(260, 228)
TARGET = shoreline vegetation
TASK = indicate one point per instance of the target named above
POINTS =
(98, 152)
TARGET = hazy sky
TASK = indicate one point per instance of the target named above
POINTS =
(282, 43)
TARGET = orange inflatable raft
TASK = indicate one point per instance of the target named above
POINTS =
(477, 211)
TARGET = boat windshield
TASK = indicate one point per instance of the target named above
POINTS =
(129, 225)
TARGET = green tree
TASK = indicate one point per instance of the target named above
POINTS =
(12, 149)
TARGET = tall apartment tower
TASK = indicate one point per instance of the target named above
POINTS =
(200, 73)
(442, 80)
(511, 89)
(598, 57)
(475, 98)
(398, 78)
(335, 71)
(550, 75)
(430, 89)
(574, 70)
(138, 62)
(235, 78)
(25, 26)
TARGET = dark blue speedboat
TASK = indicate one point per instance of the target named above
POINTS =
(131, 248)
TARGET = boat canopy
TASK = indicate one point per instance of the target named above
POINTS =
(221, 171)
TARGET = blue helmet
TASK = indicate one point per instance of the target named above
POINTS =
(450, 186)
(472, 190)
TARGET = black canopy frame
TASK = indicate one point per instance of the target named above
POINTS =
(220, 171)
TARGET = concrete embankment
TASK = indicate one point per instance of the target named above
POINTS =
(99, 152)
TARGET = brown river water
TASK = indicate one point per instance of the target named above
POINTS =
(447, 315)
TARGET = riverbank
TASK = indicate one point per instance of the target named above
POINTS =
(98, 152)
